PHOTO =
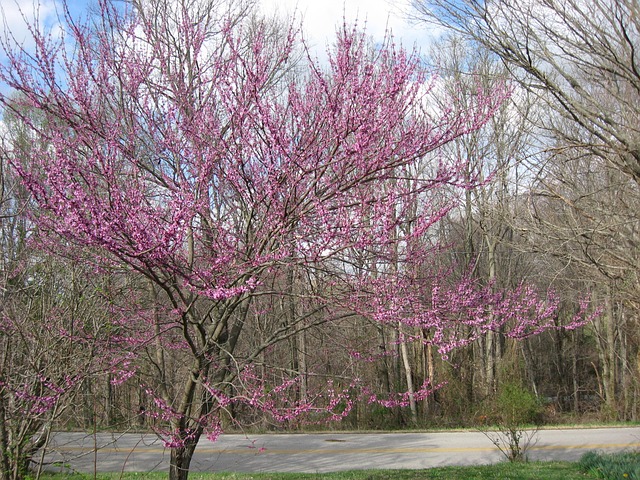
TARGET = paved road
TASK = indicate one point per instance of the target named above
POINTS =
(316, 453)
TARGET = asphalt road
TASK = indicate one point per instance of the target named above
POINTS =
(325, 452)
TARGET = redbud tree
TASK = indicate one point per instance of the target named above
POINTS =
(204, 151)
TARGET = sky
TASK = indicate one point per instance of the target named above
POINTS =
(320, 17)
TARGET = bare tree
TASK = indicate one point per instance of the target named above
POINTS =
(579, 59)
(572, 54)
(583, 213)
(495, 154)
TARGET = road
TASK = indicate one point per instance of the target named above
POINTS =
(325, 452)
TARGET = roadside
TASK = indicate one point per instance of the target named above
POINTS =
(327, 452)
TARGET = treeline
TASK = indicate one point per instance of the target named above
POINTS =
(537, 216)
(204, 230)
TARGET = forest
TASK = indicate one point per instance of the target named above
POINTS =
(204, 228)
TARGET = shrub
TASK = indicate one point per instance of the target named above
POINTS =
(515, 408)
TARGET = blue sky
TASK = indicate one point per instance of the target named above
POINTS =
(320, 17)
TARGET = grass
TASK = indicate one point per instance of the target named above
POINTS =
(623, 466)
(501, 471)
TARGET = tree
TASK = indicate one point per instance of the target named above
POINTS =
(177, 147)
(483, 227)
(586, 212)
(581, 58)
(48, 346)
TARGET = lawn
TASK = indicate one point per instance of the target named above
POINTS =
(502, 471)
(592, 465)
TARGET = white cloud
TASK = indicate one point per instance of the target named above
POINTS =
(322, 18)
(16, 15)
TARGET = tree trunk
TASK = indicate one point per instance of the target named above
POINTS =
(383, 368)
(109, 402)
(409, 376)
(625, 387)
(181, 460)
(606, 353)
(160, 360)
(4, 442)
(302, 365)
(430, 369)
(527, 355)
(489, 364)
(574, 371)
(490, 351)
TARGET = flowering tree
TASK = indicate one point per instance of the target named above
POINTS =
(47, 346)
(179, 145)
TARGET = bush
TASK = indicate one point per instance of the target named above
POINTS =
(615, 466)
(517, 406)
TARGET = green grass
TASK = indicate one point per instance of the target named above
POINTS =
(623, 466)
(501, 471)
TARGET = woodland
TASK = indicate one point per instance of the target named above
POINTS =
(204, 228)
